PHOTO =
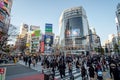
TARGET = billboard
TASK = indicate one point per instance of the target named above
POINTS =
(48, 39)
(1, 4)
(35, 33)
(72, 32)
(42, 46)
(33, 28)
(48, 27)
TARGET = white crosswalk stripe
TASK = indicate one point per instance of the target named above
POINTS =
(77, 75)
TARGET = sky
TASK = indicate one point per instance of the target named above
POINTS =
(100, 13)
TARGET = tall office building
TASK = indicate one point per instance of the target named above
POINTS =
(22, 38)
(118, 22)
(5, 9)
(74, 28)
(94, 39)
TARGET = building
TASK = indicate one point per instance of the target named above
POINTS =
(5, 9)
(111, 42)
(74, 29)
(35, 41)
(118, 22)
(94, 39)
(22, 38)
(48, 38)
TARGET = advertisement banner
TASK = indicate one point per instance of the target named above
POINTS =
(36, 33)
(2, 73)
(33, 28)
(48, 27)
(1, 4)
(48, 39)
(42, 47)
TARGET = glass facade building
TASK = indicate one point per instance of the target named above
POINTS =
(74, 28)
(118, 22)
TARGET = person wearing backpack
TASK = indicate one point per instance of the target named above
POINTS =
(99, 75)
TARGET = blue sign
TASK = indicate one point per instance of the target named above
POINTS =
(48, 25)
(48, 39)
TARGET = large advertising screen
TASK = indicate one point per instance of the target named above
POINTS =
(48, 39)
(72, 33)
(73, 27)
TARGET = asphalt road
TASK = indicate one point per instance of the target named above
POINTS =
(16, 71)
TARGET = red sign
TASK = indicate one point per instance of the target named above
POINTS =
(42, 47)
(2, 70)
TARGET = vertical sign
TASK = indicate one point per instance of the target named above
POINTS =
(42, 47)
(48, 27)
(2, 73)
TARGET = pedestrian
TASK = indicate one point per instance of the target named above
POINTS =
(61, 68)
(78, 66)
(53, 68)
(70, 71)
(118, 68)
(83, 72)
(29, 61)
(91, 72)
(99, 75)
(112, 66)
(33, 62)
(115, 72)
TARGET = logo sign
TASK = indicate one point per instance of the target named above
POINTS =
(48, 39)
(2, 70)
(2, 73)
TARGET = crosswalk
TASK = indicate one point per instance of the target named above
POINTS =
(38, 67)
(77, 75)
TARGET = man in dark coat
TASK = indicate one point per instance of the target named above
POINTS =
(61, 68)
(91, 72)
(83, 72)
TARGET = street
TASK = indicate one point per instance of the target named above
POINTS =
(20, 70)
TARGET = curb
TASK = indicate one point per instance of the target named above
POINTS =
(7, 64)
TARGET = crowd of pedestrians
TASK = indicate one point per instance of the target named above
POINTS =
(90, 67)
(5, 59)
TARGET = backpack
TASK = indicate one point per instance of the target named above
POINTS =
(99, 73)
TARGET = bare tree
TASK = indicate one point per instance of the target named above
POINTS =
(9, 36)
